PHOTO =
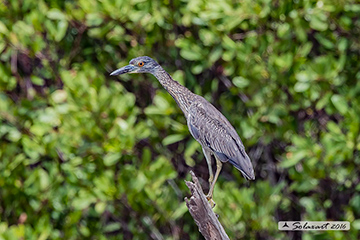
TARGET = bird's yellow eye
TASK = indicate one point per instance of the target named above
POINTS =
(140, 64)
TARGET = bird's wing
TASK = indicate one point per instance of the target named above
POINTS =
(211, 129)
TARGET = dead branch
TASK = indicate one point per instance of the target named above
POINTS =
(201, 211)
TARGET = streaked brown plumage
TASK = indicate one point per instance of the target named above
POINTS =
(206, 124)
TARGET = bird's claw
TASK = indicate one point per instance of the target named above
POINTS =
(211, 201)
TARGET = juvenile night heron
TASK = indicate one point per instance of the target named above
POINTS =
(206, 124)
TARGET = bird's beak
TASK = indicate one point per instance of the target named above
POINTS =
(126, 69)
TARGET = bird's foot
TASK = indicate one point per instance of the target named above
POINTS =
(211, 201)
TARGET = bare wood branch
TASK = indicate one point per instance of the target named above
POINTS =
(201, 211)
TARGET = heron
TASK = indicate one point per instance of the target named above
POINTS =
(206, 124)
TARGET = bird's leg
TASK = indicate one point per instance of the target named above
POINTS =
(211, 176)
(208, 160)
(211, 191)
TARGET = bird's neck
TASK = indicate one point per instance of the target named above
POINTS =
(183, 96)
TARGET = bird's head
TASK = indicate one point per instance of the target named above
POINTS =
(138, 65)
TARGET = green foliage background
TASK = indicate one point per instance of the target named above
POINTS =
(88, 156)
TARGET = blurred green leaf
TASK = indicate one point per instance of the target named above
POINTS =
(241, 82)
(294, 159)
(111, 159)
(339, 103)
(301, 86)
(190, 55)
(37, 81)
(56, 14)
(318, 22)
(173, 139)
